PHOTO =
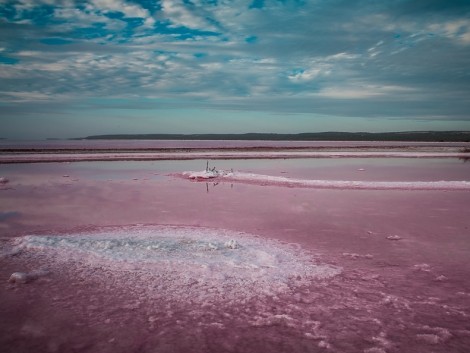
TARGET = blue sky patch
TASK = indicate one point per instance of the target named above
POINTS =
(7, 60)
(56, 41)
(251, 39)
(257, 4)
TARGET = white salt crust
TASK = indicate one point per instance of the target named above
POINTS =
(75, 157)
(252, 178)
(189, 279)
(26, 277)
(185, 262)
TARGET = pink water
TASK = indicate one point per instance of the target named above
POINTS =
(405, 295)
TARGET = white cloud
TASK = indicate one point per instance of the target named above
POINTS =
(306, 75)
(362, 91)
(27, 5)
(77, 17)
(458, 30)
(129, 10)
(180, 15)
(30, 53)
(342, 56)
(27, 96)
(324, 66)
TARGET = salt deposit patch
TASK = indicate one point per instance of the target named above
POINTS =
(250, 178)
(185, 262)
(26, 277)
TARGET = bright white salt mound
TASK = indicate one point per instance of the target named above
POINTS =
(23, 277)
(186, 262)
(19, 277)
(205, 174)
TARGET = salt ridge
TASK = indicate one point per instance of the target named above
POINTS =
(123, 156)
(251, 178)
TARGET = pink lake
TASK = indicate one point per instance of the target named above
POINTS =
(127, 257)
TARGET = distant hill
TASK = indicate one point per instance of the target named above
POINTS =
(425, 136)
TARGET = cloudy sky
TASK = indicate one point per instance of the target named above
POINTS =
(72, 68)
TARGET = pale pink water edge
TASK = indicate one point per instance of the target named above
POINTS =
(407, 293)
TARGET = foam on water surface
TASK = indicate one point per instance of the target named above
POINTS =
(186, 261)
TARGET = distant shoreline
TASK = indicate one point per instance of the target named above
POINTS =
(408, 136)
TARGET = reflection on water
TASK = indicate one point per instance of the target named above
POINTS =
(4, 216)
(464, 159)
(355, 169)
(213, 185)
(365, 169)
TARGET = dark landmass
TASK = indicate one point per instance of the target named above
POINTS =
(425, 136)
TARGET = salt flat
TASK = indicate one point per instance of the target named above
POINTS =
(126, 256)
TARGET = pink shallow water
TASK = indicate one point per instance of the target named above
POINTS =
(406, 295)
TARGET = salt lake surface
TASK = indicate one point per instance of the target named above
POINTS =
(170, 144)
(131, 257)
